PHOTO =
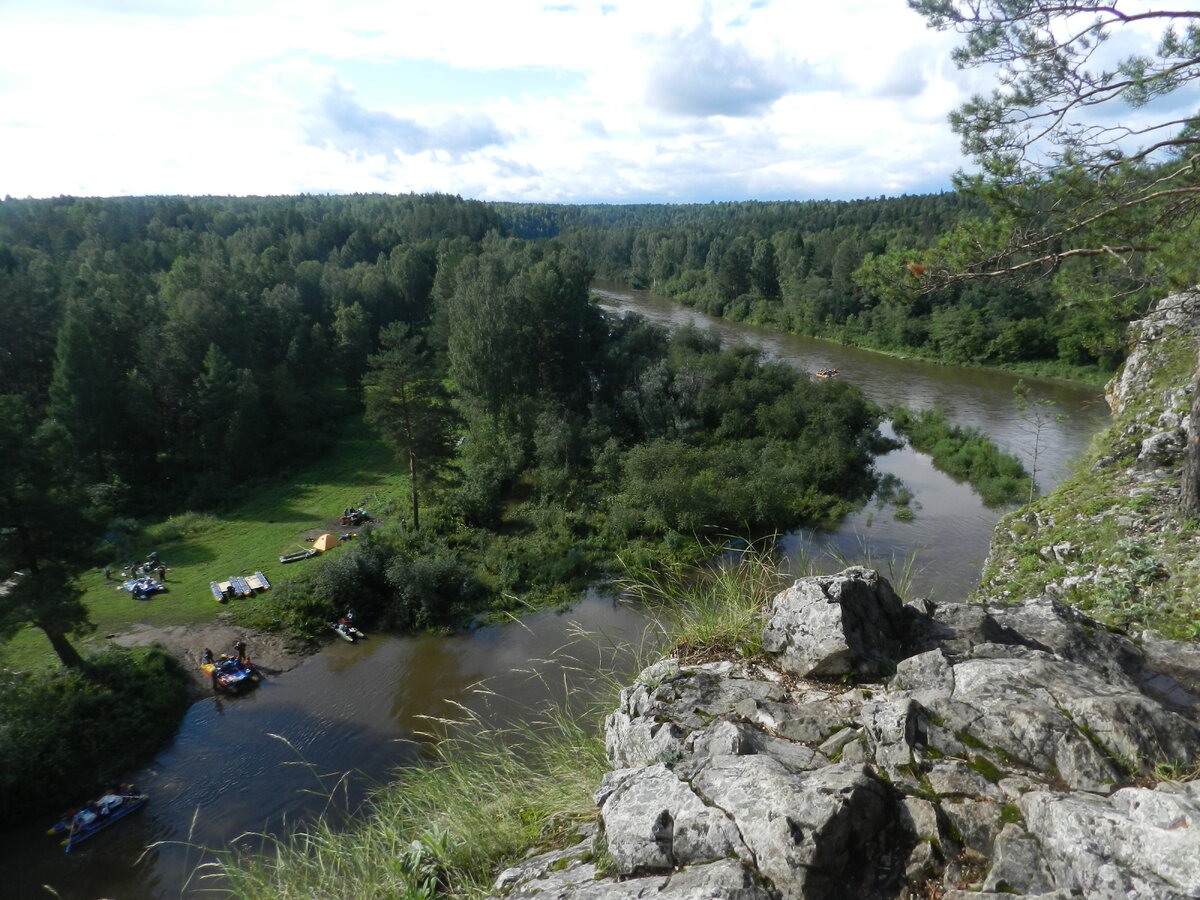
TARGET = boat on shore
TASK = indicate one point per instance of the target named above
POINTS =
(346, 631)
(79, 825)
(298, 555)
(231, 675)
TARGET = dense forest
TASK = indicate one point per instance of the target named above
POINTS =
(148, 343)
(824, 269)
(158, 351)
(159, 355)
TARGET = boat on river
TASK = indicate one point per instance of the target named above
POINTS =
(231, 675)
(79, 825)
(346, 631)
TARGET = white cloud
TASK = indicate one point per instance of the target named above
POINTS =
(616, 100)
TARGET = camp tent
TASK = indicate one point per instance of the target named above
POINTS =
(325, 541)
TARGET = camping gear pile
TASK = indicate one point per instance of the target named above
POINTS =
(239, 586)
(320, 545)
(143, 587)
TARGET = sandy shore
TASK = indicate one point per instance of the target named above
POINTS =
(270, 653)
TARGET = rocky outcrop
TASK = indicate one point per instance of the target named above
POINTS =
(1111, 540)
(1008, 746)
(892, 750)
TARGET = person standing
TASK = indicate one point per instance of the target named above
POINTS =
(240, 648)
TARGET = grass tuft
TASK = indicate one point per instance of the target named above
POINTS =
(714, 612)
(481, 799)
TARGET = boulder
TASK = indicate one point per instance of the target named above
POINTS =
(836, 625)
(981, 751)
(723, 880)
(654, 822)
(1136, 843)
(658, 715)
(814, 835)
(1018, 865)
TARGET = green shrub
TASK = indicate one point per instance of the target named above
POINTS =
(65, 733)
(966, 454)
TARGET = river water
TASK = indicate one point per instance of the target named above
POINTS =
(320, 736)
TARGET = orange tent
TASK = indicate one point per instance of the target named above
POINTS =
(325, 541)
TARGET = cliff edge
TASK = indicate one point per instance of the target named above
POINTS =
(1038, 741)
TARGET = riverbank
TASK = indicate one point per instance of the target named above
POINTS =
(359, 707)
(271, 653)
(1020, 748)
(1047, 370)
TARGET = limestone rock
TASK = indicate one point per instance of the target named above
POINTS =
(723, 880)
(836, 624)
(991, 761)
(1019, 865)
(814, 835)
(1138, 842)
(654, 822)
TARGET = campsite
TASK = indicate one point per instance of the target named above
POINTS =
(265, 521)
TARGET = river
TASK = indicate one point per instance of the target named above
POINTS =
(324, 733)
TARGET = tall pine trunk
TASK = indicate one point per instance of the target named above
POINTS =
(412, 477)
(67, 654)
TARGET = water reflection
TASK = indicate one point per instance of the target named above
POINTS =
(314, 739)
(946, 541)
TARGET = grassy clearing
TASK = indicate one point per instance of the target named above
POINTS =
(259, 525)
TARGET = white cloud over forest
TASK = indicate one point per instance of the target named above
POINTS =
(674, 100)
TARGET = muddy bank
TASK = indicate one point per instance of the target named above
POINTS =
(271, 653)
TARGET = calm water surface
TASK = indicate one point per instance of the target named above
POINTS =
(321, 735)
(947, 540)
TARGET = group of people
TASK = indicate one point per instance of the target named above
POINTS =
(239, 649)
(347, 627)
(112, 799)
(826, 373)
(151, 565)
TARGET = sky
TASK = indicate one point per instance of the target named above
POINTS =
(559, 101)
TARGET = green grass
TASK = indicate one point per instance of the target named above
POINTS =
(1122, 535)
(482, 799)
(713, 612)
(261, 523)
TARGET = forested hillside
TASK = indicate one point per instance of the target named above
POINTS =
(157, 353)
(799, 267)
(164, 334)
